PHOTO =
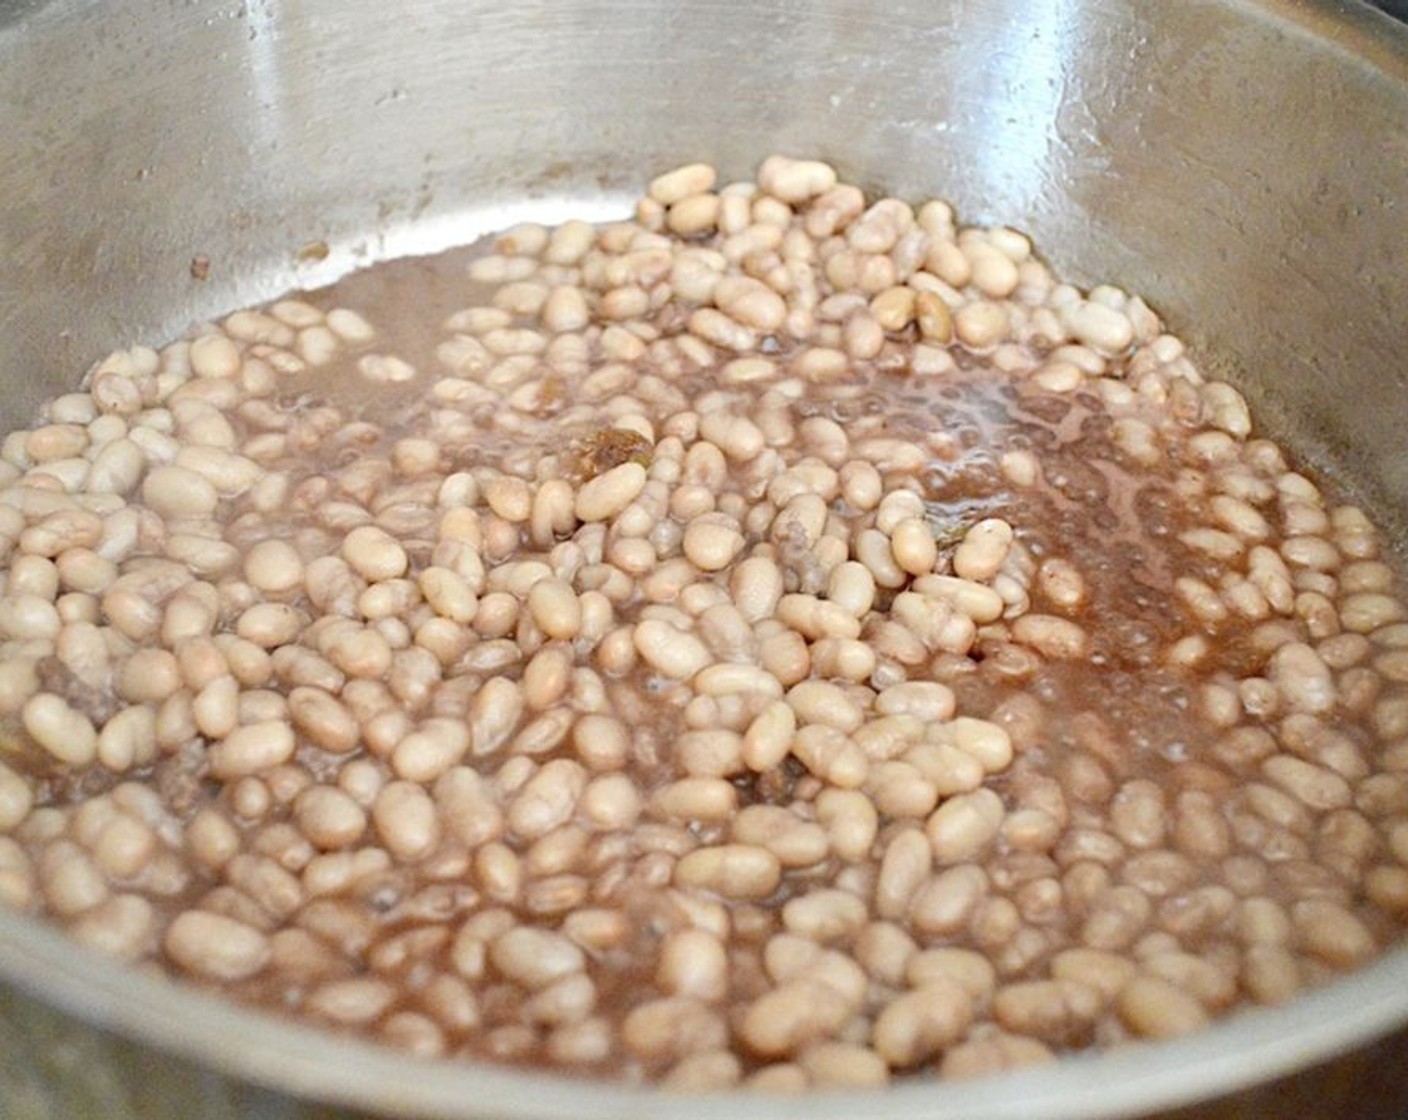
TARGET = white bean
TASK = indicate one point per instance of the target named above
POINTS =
(216, 947)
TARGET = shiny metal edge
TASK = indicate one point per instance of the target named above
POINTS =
(1357, 29)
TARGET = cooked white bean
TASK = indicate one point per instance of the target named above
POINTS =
(751, 302)
(373, 553)
(548, 799)
(330, 818)
(672, 652)
(983, 549)
(535, 957)
(682, 182)
(711, 542)
(694, 963)
(431, 750)
(787, 1017)
(67, 734)
(217, 947)
(795, 180)
(1331, 932)
(963, 826)
(1155, 1008)
(825, 915)
(178, 492)
(921, 1022)
(251, 749)
(555, 608)
(406, 820)
(606, 495)
(738, 871)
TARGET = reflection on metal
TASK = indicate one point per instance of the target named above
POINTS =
(269, 121)
(1031, 130)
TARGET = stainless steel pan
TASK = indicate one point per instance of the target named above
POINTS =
(1244, 165)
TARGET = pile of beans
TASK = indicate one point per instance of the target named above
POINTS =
(780, 640)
